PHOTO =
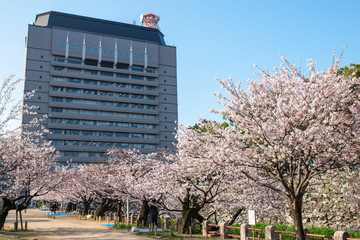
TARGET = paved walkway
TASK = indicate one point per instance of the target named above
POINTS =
(66, 227)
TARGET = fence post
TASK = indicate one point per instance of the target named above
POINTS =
(205, 228)
(306, 231)
(244, 231)
(224, 231)
(341, 235)
(270, 233)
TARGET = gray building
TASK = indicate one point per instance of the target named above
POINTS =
(103, 85)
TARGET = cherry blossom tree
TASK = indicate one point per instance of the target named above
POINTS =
(288, 129)
(26, 160)
(205, 186)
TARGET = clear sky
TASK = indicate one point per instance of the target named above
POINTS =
(214, 39)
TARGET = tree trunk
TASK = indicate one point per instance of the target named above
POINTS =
(118, 210)
(8, 205)
(188, 214)
(234, 216)
(296, 211)
(143, 219)
(86, 204)
(70, 207)
(104, 206)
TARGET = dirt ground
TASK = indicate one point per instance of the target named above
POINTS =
(63, 227)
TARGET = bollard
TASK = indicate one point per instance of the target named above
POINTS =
(341, 235)
(155, 230)
(224, 231)
(25, 225)
(270, 233)
(245, 233)
(15, 226)
(205, 229)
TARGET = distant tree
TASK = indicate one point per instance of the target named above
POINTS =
(352, 71)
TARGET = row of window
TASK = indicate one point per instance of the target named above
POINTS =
(102, 113)
(89, 49)
(101, 103)
(102, 123)
(104, 103)
(94, 92)
(105, 74)
(101, 144)
(104, 83)
(101, 133)
(104, 64)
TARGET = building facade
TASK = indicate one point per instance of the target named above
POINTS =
(103, 85)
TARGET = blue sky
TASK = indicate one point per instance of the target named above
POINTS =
(214, 39)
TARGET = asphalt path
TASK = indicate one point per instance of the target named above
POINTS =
(65, 227)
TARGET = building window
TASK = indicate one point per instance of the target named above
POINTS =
(90, 82)
(78, 48)
(105, 144)
(74, 80)
(136, 135)
(72, 132)
(150, 57)
(124, 135)
(88, 49)
(107, 124)
(57, 99)
(58, 79)
(105, 134)
(88, 133)
(59, 69)
(90, 92)
(72, 121)
(122, 145)
(137, 125)
(56, 131)
(122, 124)
(74, 61)
(137, 77)
(62, 45)
(72, 111)
(56, 109)
(120, 75)
(56, 120)
(88, 122)
(71, 154)
(72, 46)
(95, 49)
(59, 59)
(126, 54)
(149, 146)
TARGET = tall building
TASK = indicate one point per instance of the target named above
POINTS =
(103, 84)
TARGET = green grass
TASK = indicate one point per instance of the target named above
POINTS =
(123, 226)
